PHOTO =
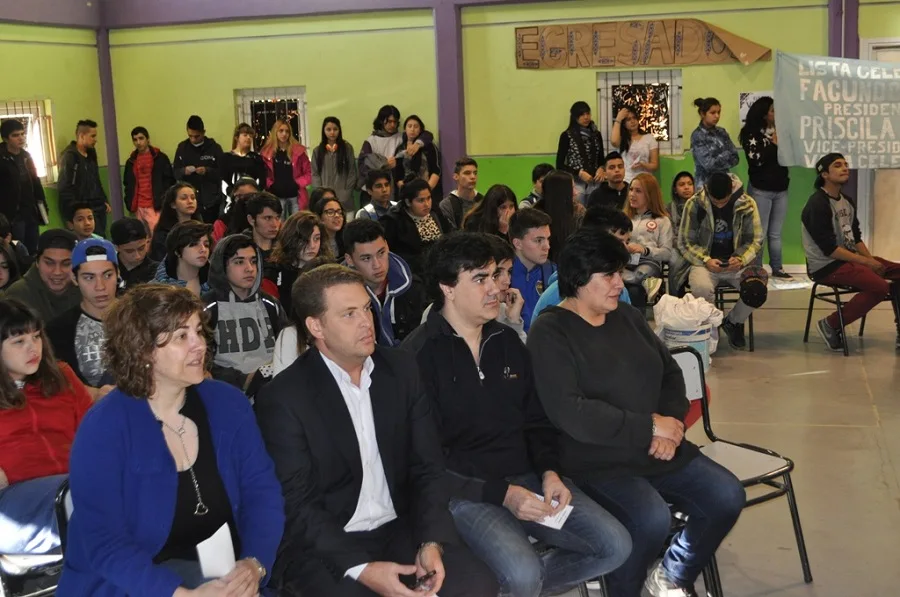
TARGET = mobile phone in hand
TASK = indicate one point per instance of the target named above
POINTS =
(422, 580)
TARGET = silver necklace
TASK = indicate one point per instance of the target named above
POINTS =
(201, 509)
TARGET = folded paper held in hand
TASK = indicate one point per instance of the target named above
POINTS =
(216, 554)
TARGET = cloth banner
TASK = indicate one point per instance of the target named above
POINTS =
(837, 105)
(667, 43)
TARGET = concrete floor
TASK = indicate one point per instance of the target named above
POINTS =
(839, 419)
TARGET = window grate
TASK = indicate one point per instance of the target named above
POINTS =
(261, 107)
(41, 144)
(655, 95)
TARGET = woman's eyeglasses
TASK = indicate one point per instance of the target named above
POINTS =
(332, 213)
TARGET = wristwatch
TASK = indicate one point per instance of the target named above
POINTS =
(653, 426)
(259, 568)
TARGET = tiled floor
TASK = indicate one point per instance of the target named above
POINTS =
(839, 419)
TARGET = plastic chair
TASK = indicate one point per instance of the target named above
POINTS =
(15, 569)
(753, 465)
(724, 297)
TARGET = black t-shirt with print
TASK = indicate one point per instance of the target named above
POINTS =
(723, 235)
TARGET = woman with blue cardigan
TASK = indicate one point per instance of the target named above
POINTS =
(165, 461)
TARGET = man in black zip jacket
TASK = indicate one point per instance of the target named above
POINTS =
(197, 161)
(500, 448)
(21, 192)
(79, 176)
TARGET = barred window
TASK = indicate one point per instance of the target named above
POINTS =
(260, 108)
(654, 95)
(40, 142)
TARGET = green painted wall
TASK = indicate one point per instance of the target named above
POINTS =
(878, 18)
(61, 66)
(349, 64)
(514, 117)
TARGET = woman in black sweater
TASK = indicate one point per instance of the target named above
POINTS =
(411, 226)
(609, 383)
(769, 180)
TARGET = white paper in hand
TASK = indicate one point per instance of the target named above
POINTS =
(216, 554)
(557, 520)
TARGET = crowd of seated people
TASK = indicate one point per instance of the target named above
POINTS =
(390, 401)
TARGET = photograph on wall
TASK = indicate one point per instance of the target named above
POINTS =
(747, 98)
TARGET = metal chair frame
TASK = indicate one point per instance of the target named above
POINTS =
(779, 480)
(721, 300)
(833, 296)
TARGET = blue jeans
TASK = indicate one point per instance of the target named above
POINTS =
(25, 229)
(590, 544)
(709, 494)
(288, 206)
(772, 207)
(28, 516)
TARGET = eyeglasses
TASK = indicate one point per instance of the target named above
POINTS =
(332, 212)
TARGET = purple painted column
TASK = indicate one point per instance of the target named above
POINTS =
(108, 99)
(835, 27)
(451, 102)
(851, 29)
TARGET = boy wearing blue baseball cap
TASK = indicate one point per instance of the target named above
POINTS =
(77, 335)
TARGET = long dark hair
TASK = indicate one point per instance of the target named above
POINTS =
(756, 118)
(575, 112)
(15, 320)
(416, 161)
(624, 133)
(343, 161)
(558, 202)
(168, 217)
(384, 113)
(485, 215)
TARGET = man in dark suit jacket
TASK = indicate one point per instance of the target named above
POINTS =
(355, 447)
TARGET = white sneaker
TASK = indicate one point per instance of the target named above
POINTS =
(652, 286)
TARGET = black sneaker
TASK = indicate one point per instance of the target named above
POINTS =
(735, 334)
(659, 585)
(831, 336)
(782, 274)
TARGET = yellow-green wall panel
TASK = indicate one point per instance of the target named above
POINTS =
(512, 111)
(348, 74)
(61, 66)
(879, 20)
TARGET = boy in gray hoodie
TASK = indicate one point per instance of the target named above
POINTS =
(245, 320)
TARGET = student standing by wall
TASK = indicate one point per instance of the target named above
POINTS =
(197, 161)
(580, 150)
(712, 147)
(334, 164)
(769, 180)
(79, 175)
(288, 171)
(411, 162)
(639, 150)
(242, 161)
(148, 175)
(21, 193)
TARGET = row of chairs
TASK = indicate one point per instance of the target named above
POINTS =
(753, 465)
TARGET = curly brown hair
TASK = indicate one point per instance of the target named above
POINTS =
(294, 236)
(143, 320)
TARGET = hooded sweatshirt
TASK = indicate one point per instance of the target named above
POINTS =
(403, 303)
(695, 236)
(654, 233)
(244, 330)
(32, 291)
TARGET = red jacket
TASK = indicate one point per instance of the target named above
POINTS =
(35, 440)
(302, 171)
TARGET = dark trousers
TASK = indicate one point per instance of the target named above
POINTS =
(872, 289)
(709, 494)
(466, 575)
(26, 230)
(100, 221)
(210, 213)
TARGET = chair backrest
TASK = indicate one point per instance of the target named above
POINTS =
(692, 369)
(691, 364)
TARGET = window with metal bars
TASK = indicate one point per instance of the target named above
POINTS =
(654, 95)
(40, 142)
(260, 108)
